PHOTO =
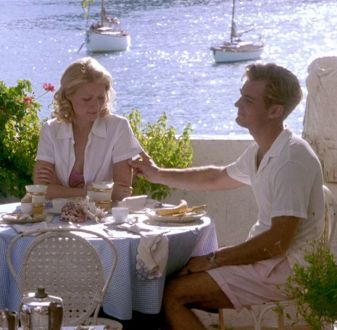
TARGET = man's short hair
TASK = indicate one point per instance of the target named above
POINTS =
(282, 86)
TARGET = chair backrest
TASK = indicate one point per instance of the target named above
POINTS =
(330, 218)
(66, 264)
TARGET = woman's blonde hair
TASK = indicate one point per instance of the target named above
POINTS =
(82, 71)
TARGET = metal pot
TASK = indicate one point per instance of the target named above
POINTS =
(39, 311)
(8, 320)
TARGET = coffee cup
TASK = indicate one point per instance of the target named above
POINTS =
(120, 214)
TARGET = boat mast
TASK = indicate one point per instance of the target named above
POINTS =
(233, 27)
(103, 13)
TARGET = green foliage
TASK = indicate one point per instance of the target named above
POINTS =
(314, 286)
(86, 6)
(164, 146)
(19, 134)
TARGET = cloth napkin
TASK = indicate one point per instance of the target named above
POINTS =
(28, 227)
(152, 256)
(152, 252)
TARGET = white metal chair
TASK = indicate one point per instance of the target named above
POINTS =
(257, 312)
(66, 264)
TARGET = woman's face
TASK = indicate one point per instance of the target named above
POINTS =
(88, 101)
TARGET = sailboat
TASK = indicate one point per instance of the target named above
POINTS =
(237, 50)
(106, 35)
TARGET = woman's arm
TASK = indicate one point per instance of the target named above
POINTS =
(122, 178)
(44, 173)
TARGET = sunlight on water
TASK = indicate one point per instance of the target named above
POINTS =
(169, 67)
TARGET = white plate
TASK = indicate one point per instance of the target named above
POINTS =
(21, 218)
(178, 219)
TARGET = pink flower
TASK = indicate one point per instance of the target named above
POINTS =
(48, 87)
(27, 100)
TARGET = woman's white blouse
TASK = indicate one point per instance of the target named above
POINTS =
(110, 141)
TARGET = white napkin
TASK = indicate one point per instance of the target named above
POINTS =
(152, 252)
(33, 226)
(133, 228)
(152, 256)
(133, 203)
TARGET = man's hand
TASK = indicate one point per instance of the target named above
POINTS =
(145, 166)
(196, 265)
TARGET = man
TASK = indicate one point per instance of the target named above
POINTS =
(286, 179)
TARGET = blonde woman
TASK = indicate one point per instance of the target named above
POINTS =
(84, 142)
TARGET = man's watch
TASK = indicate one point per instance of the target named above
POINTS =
(211, 257)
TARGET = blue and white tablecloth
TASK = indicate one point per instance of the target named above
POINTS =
(126, 292)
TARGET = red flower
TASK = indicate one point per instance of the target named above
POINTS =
(48, 87)
(27, 100)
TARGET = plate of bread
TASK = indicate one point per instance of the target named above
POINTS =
(180, 213)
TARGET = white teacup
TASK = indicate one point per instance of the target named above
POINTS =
(58, 203)
(120, 214)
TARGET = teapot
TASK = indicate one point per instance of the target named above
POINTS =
(40, 311)
(8, 320)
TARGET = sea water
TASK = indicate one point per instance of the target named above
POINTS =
(169, 67)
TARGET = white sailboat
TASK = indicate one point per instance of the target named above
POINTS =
(236, 50)
(106, 35)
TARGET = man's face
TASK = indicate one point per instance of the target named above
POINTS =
(252, 111)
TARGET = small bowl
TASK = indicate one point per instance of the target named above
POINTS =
(36, 188)
(58, 203)
(120, 214)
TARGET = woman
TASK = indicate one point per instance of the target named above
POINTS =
(84, 142)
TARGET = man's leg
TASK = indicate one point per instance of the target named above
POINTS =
(196, 290)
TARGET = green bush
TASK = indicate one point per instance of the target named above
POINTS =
(19, 134)
(314, 286)
(164, 146)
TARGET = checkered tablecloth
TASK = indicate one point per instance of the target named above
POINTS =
(126, 292)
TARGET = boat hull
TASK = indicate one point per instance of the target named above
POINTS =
(107, 41)
(236, 52)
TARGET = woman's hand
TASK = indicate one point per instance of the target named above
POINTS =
(44, 173)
